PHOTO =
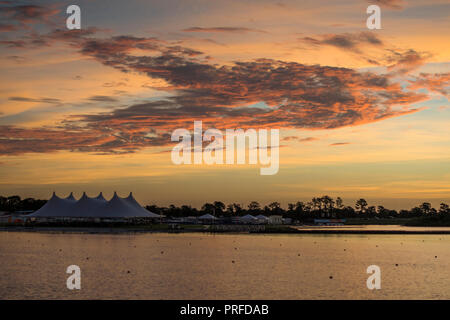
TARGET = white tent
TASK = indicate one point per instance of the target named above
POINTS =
(86, 207)
(99, 197)
(248, 217)
(55, 207)
(71, 197)
(97, 207)
(207, 217)
(262, 217)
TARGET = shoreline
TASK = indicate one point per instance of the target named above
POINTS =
(282, 230)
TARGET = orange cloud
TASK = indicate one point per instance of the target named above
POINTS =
(339, 144)
(392, 4)
(295, 95)
(438, 82)
(222, 29)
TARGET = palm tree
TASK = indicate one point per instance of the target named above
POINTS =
(254, 206)
(444, 208)
(13, 203)
(219, 207)
(230, 209)
(274, 206)
(339, 203)
(291, 207)
(328, 204)
(237, 208)
(316, 204)
(208, 208)
(425, 207)
(361, 205)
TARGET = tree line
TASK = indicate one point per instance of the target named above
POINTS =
(318, 207)
(16, 203)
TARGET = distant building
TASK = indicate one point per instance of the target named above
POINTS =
(275, 219)
(190, 219)
(329, 222)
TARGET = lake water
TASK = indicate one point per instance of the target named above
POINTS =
(376, 228)
(200, 266)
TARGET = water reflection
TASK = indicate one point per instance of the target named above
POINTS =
(225, 266)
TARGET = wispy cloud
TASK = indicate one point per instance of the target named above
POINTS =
(41, 100)
(102, 99)
(438, 83)
(406, 61)
(339, 144)
(23, 15)
(299, 139)
(346, 41)
(222, 30)
(7, 27)
(392, 4)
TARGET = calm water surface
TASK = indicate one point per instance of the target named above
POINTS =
(200, 266)
(375, 227)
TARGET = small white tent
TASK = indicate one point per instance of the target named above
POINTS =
(207, 217)
(262, 219)
(248, 217)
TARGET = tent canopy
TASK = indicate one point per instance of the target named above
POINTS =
(207, 217)
(97, 207)
(248, 217)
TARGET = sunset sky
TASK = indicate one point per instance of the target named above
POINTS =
(362, 113)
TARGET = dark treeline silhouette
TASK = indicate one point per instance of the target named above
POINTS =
(320, 207)
(15, 203)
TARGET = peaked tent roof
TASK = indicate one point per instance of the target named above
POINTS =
(85, 207)
(132, 202)
(248, 217)
(70, 197)
(116, 206)
(55, 207)
(261, 216)
(100, 197)
(97, 207)
(207, 217)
